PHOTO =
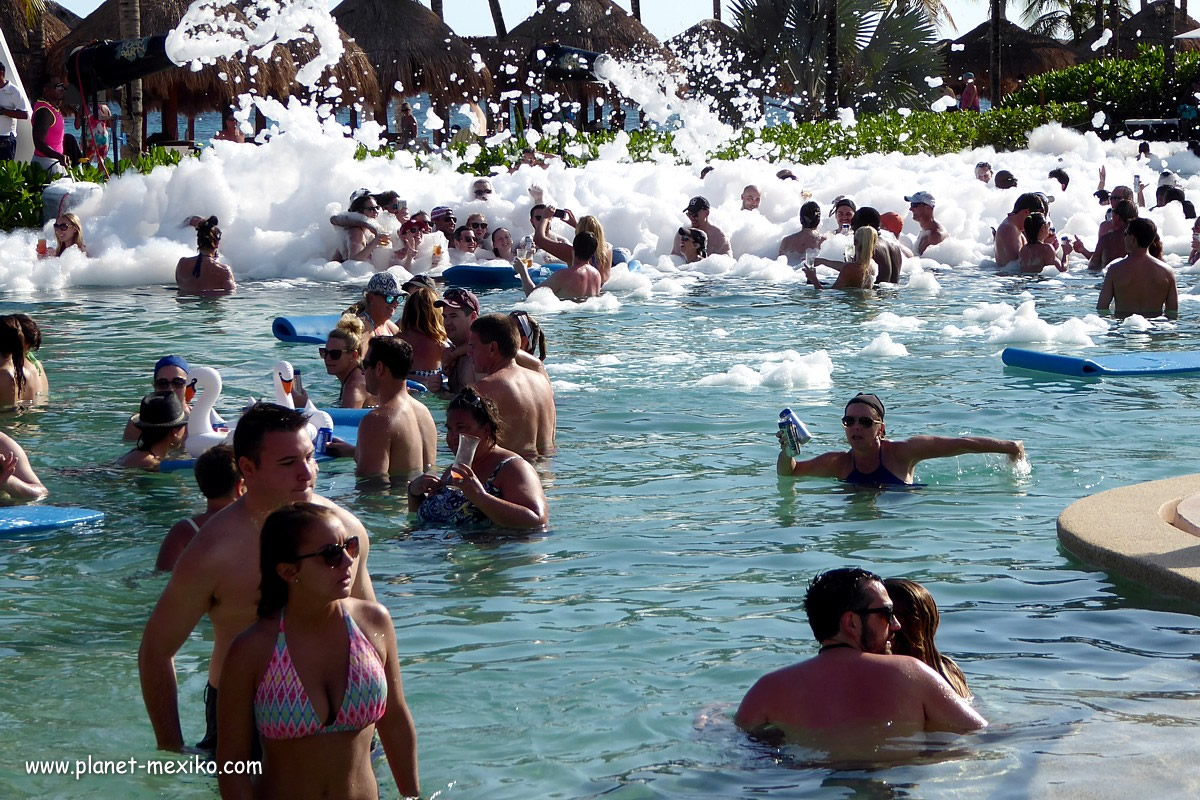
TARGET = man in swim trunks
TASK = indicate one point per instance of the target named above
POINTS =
(1010, 237)
(221, 484)
(398, 439)
(808, 237)
(852, 687)
(577, 282)
(921, 206)
(888, 257)
(875, 461)
(218, 573)
(1140, 283)
(523, 397)
(697, 213)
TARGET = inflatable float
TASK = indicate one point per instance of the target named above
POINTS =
(23, 519)
(1160, 363)
(501, 276)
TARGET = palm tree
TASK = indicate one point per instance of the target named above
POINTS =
(831, 59)
(436, 7)
(498, 18)
(636, 9)
(997, 9)
(32, 11)
(1061, 19)
(717, 10)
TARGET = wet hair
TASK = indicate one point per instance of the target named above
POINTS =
(481, 409)
(866, 216)
(12, 344)
(831, 594)
(865, 239)
(1143, 231)
(584, 246)
(535, 335)
(1060, 175)
(78, 223)
(810, 215)
(1126, 210)
(420, 315)
(1101, 195)
(350, 329)
(259, 420)
(1174, 194)
(590, 224)
(1033, 226)
(216, 471)
(498, 328)
(391, 351)
(1144, 148)
(30, 330)
(279, 543)
(208, 235)
(386, 198)
(918, 616)
(1029, 202)
(536, 209)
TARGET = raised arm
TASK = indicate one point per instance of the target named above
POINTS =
(541, 237)
(527, 284)
(826, 465)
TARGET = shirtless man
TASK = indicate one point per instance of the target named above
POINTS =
(1111, 245)
(398, 439)
(888, 256)
(524, 397)
(1140, 283)
(921, 205)
(218, 574)
(852, 688)
(577, 282)
(17, 478)
(460, 308)
(697, 213)
(1009, 236)
(751, 198)
(808, 237)
(170, 374)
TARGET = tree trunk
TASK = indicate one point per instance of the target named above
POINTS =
(130, 21)
(498, 18)
(1114, 22)
(831, 60)
(37, 56)
(994, 61)
(1100, 16)
(1169, 88)
(436, 7)
(636, 9)
(717, 10)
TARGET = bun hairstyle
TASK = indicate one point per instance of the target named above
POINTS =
(208, 235)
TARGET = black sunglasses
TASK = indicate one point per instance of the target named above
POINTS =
(481, 225)
(332, 553)
(866, 422)
(332, 355)
(888, 611)
(174, 383)
(62, 226)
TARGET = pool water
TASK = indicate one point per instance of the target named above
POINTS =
(606, 656)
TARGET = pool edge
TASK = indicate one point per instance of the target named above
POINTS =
(1124, 530)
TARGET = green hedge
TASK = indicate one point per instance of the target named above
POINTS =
(1124, 88)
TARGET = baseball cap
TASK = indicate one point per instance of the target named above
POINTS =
(1005, 179)
(171, 361)
(842, 200)
(697, 203)
(419, 281)
(924, 198)
(1028, 202)
(414, 225)
(459, 298)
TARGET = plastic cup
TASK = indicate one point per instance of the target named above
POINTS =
(467, 445)
(810, 257)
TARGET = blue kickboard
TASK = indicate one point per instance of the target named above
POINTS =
(1159, 363)
(304, 330)
(19, 519)
(484, 276)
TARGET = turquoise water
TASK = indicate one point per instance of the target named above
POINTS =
(604, 657)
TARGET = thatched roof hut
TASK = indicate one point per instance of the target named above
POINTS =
(17, 34)
(215, 87)
(408, 45)
(1021, 53)
(1149, 27)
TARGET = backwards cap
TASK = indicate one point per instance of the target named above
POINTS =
(868, 400)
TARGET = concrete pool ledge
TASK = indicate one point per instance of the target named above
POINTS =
(1141, 532)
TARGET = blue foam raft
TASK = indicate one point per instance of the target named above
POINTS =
(304, 330)
(1159, 363)
(21, 519)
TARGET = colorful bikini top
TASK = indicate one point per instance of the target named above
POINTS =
(282, 709)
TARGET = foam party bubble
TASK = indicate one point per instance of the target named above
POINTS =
(1136, 323)
(888, 321)
(882, 346)
(1104, 39)
(785, 370)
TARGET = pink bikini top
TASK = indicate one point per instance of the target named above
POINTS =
(282, 709)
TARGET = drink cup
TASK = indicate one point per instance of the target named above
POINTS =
(810, 257)
(41, 247)
(466, 450)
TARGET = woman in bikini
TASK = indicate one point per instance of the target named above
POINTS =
(203, 273)
(317, 675)
(18, 379)
(511, 495)
(421, 326)
(342, 355)
(874, 460)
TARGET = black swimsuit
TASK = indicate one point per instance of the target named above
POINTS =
(880, 476)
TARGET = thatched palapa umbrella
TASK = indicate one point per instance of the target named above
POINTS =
(413, 51)
(1021, 53)
(216, 87)
(22, 40)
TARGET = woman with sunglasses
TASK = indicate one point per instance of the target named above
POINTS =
(342, 355)
(918, 616)
(360, 240)
(377, 307)
(203, 273)
(68, 233)
(421, 326)
(693, 243)
(511, 496)
(316, 676)
(874, 460)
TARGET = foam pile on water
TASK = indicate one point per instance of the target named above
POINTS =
(1002, 324)
(785, 370)
(882, 346)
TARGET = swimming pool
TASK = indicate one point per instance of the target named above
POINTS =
(583, 662)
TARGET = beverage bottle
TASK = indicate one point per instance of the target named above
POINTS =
(795, 432)
(299, 395)
(846, 230)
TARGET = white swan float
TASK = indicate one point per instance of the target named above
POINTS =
(284, 376)
(206, 381)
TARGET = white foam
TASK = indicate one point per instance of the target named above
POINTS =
(882, 346)
(792, 370)
(887, 321)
